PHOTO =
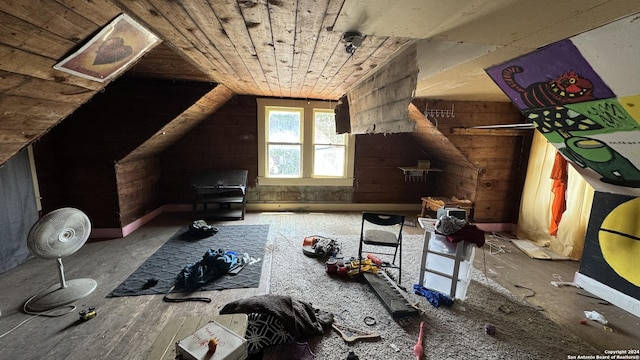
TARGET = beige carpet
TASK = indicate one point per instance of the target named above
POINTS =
(450, 333)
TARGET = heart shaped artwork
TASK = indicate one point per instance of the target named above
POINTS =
(111, 51)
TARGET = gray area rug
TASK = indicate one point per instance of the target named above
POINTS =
(182, 249)
(456, 332)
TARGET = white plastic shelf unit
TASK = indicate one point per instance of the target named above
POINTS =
(445, 266)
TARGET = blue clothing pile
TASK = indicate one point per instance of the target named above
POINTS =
(435, 298)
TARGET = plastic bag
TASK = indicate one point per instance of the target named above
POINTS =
(595, 316)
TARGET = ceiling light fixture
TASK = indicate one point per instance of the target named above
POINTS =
(353, 40)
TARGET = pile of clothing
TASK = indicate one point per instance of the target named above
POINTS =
(457, 230)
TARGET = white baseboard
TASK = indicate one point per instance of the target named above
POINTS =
(609, 294)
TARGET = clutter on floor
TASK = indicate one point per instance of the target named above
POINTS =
(319, 246)
(390, 295)
(213, 265)
(350, 266)
(352, 356)
(435, 298)
(178, 328)
(535, 251)
(276, 322)
(418, 349)
(264, 331)
(292, 351)
(279, 320)
(200, 228)
(157, 274)
(434, 203)
(212, 341)
(350, 334)
(299, 318)
(490, 329)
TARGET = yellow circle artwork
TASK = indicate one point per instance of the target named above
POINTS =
(619, 237)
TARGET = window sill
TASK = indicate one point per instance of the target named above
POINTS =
(264, 181)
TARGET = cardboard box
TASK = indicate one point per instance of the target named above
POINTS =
(231, 346)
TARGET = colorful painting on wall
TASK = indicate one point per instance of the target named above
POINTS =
(583, 95)
(601, 139)
(554, 75)
(612, 245)
(569, 101)
(111, 51)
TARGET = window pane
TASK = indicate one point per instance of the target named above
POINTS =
(328, 160)
(284, 160)
(324, 131)
(284, 126)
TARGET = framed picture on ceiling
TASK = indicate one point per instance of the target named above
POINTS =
(116, 47)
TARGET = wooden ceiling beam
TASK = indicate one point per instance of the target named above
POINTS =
(283, 29)
(40, 67)
(324, 49)
(185, 44)
(258, 25)
(233, 33)
(30, 87)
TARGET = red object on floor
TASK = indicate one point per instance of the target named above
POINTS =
(418, 349)
(376, 260)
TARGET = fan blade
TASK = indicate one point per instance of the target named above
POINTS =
(59, 233)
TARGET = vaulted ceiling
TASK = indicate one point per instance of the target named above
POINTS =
(275, 47)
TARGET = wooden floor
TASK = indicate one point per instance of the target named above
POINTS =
(531, 279)
(125, 328)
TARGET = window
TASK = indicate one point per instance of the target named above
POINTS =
(284, 142)
(329, 148)
(299, 145)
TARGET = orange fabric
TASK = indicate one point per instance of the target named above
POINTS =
(559, 190)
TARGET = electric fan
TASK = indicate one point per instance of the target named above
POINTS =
(58, 234)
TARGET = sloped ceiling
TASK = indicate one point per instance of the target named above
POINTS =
(467, 36)
(276, 48)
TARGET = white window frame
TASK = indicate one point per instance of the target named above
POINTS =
(307, 178)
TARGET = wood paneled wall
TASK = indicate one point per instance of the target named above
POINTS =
(76, 160)
(378, 178)
(79, 160)
(138, 187)
(226, 140)
(378, 104)
(498, 158)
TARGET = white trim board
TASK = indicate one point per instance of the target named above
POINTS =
(617, 298)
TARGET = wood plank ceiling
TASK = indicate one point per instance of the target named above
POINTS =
(265, 48)
(271, 48)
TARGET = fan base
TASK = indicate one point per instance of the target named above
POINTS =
(56, 296)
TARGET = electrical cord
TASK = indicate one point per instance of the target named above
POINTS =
(533, 293)
(48, 313)
(178, 300)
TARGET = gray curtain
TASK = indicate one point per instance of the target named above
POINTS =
(18, 211)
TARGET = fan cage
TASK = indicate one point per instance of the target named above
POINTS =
(59, 233)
